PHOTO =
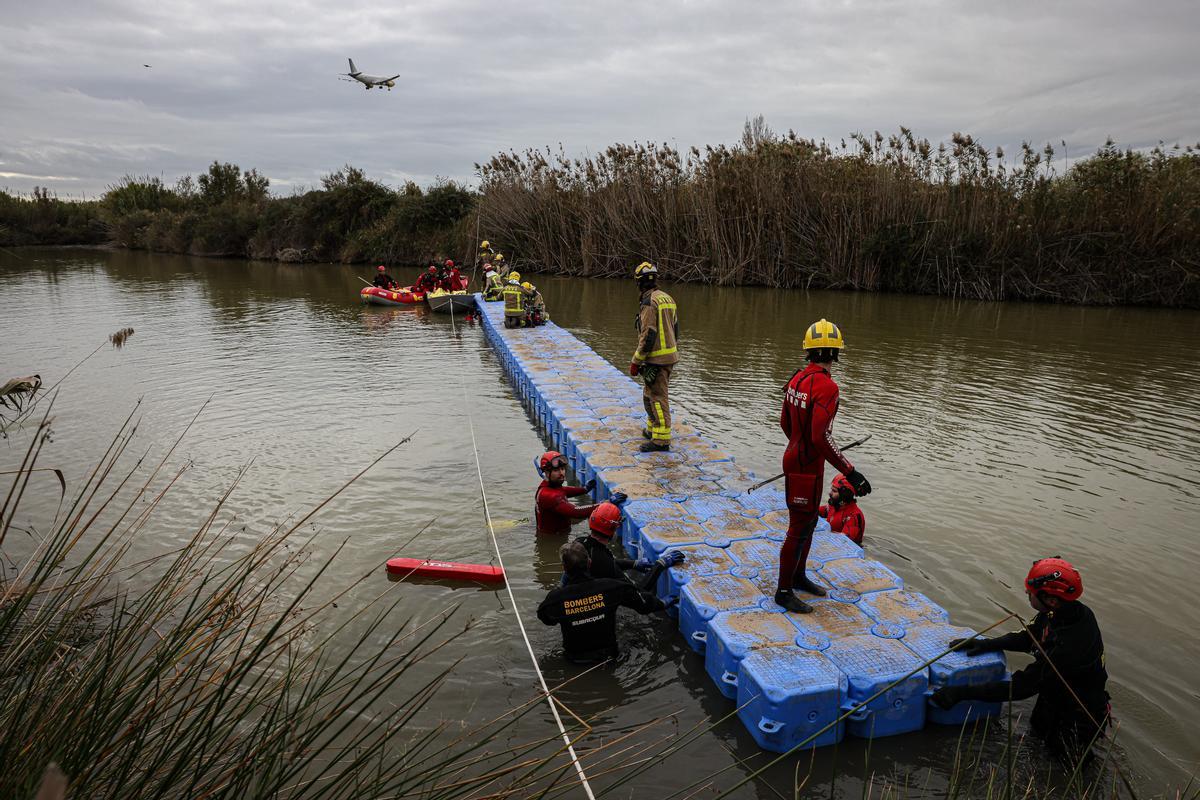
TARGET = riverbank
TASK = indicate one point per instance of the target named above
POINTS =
(895, 214)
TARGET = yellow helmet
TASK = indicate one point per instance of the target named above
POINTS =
(485, 244)
(644, 269)
(823, 334)
(499, 256)
(527, 285)
(514, 276)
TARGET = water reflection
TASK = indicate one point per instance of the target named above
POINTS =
(1001, 433)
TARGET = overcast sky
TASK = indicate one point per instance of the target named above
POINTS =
(256, 82)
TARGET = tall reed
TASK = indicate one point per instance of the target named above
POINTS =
(217, 669)
(878, 213)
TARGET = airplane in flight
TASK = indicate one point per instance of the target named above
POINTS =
(369, 81)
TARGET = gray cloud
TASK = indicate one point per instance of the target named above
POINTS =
(256, 82)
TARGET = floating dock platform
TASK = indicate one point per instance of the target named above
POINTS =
(791, 675)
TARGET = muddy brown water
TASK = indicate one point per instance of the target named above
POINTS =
(1002, 433)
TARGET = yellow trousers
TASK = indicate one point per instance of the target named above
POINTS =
(658, 406)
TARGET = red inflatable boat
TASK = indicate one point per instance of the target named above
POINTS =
(375, 296)
(445, 569)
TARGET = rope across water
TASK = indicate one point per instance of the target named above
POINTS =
(583, 780)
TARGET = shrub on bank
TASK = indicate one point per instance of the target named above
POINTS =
(228, 212)
(42, 218)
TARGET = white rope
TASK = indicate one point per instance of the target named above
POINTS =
(583, 780)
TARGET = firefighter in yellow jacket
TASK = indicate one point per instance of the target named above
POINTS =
(656, 355)
(516, 300)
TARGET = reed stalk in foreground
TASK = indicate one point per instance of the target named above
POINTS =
(222, 674)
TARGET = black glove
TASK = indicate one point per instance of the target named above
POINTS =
(948, 697)
(672, 558)
(616, 498)
(973, 647)
(590, 485)
(861, 485)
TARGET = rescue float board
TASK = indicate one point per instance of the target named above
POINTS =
(792, 676)
(451, 570)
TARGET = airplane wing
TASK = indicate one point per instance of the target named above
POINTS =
(385, 80)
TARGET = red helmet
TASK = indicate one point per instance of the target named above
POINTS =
(381, 268)
(605, 520)
(449, 263)
(1055, 577)
(432, 268)
(552, 458)
(840, 483)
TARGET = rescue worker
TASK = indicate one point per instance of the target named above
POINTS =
(383, 280)
(501, 267)
(555, 514)
(515, 297)
(603, 525)
(451, 277)
(485, 251)
(656, 355)
(585, 608)
(493, 287)
(843, 512)
(810, 404)
(428, 280)
(535, 308)
(1067, 673)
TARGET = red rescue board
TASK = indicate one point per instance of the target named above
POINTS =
(445, 569)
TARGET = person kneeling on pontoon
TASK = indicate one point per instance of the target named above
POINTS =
(535, 307)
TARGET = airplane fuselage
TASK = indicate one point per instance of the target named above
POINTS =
(370, 81)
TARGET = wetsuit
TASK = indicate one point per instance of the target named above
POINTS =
(847, 518)
(810, 404)
(1071, 639)
(385, 281)
(607, 565)
(554, 512)
(426, 283)
(586, 609)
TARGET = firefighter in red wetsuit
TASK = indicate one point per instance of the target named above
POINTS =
(428, 281)
(843, 512)
(555, 513)
(809, 407)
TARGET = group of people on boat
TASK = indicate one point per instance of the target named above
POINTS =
(447, 277)
(1067, 675)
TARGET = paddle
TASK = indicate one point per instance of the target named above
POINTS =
(761, 484)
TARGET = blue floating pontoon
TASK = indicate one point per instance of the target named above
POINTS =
(792, 675)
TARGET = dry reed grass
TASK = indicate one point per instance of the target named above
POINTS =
(878, 213)
(214, 670)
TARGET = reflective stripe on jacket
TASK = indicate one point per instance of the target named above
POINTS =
(658, 329)
(514, 299)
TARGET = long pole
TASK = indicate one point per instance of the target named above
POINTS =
(761, 484)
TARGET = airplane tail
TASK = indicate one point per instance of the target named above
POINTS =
(353, 69)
